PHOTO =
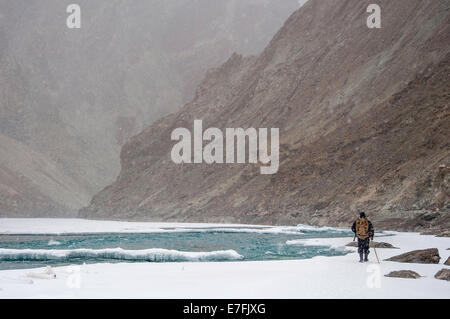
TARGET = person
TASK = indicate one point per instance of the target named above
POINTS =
(363, 229)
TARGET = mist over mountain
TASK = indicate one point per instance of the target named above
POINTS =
(363, 117)
(71, 98)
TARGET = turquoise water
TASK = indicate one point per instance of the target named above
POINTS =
(239, 244)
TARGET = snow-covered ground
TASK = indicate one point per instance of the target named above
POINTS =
(83, 226)
(319, 277)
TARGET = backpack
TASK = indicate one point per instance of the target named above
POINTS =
(362, 228)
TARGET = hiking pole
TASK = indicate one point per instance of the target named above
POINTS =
(374, 249)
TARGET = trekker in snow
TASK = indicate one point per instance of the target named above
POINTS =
(363, 229)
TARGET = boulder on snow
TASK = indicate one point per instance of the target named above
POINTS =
(445, 233)
(443, 274)
(447, 262)
(373, 243)
(425, 256)
(403, 274)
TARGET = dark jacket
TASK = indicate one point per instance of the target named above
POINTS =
(371, 229)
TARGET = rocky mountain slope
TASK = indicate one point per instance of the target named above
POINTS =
(33, 184)
(71, 98)
(363, 117)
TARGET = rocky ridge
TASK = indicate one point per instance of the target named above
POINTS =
(363, 117)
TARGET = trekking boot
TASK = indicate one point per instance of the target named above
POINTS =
(361, 258)
(366, 257)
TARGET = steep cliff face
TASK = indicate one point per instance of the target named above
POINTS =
(74, 97)
(363, 117)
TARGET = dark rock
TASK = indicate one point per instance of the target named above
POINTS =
(377, 244)
(425, 256)
(443, 234)
(443, 274)
(430, 232)
(447, 262)
(403, 274)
